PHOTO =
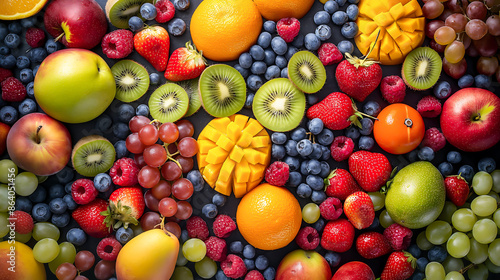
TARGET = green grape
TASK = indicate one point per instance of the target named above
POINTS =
(454, 275)
(448, 210)
(458, 245)
(310, 213)
(46, 250)
(4, 198)
(41, 179)
(422, 242)
(26, 183)
(496, 217)
(483, 205)
(194, 249)
(478, 252)
(494, 252)
(43, 230)
(482, 183)
(495, 175)
(463, 219)
(378, 200)
(181, 260)
(384, 219)
(206, 268)
(6, 168)
(484, 231)
(137, 229)
(478, 272)
(452, 264)
(23, 238)
(493, 268)
(434, 271)
(495, 196)
(467, 203)
(182, 273)
(67, 254)
(438, 232)
(4, 230)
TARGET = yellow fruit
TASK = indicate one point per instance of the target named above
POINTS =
(19, 264)
(269, 217)
(401, 26)
(223, 29)
(278, 9)
(12, 10)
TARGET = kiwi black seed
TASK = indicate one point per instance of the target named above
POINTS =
(278, 105)
(222, 90)
(191, 87)
(421, 68)
(306, 71)
(131, 78)
(120, 11)
(168, 103)
(92, 155)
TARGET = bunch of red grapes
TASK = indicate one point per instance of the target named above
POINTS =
(460, 27)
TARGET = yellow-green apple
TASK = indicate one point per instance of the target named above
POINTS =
(39, 144)
(74, 85)
(354, 271)
(17, 262)
(4, 130)
(76, 23)
(303, 265)
(470, 119)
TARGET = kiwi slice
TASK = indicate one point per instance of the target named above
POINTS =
(222, 90)
(168, 103)
(131, 78)
(191, 87)
(92, 155)
(120, 11)
(306, 71)
(279, 105)
(421, 68)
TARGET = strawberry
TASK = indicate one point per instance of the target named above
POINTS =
(358, 207)
(457, 189)
(358, 77)
(185, 63)
(89, 218)
(399, 266)
(340, 184)
(337, 111)
(338, 236)
(371, 170)
(22, 220)
(153, 43)
(372, 245)
(126, 206)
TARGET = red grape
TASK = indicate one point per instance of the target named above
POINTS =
(432, 26)
(148, 176)
(432, 9)
(476, 10)
(455, 70)
(137, 122)
(150, 220)
(84, 260)
(134, 144)
(169, 133)
(186, 128)
(81, 277)
(162, 189)
(184, 210)
(171, 171)
(467, 41)
(104, 269)
(486, 46)
(66, 271)
(151, 201)
(454, 6)
(182, 189)
(167, 207)
(457, 22)
(476, 29)
(139, 160)
(437, 47)
(487, 65)
(148, 134)
(172, 149)
(491, 3)
(446, 13)
(493, 23)
(186, 163)
(472, 51)
(155, 155)
(173, 228)
(188, 147)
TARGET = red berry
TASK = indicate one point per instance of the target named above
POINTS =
(4, 74)
(216, 248)
(124, 172)
(429, 107)
(331, 208)
(197, 228)
(358, 207)
(329, 54)
(307, 238)
(233, 266)
(434, 139)
(341, 184)
(372, 245)
(83, 191)
(254, 275)
(338, 236)
(399, 266)
(399, 236)
(23, 221)
(457, 189)
(223, 226)
(108, 249)
(277, 173)
(393, 89)
(288, 28)
(13, 90)
(341, 148)
(118, 44)
(165, 11)
(35, 37)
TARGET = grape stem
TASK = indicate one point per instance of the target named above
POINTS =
(464, 270)
(171, 156)
(162, 226)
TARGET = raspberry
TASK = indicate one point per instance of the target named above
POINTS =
(399, 236)
(429, 107)
(23, 221)
(277, 173)
(331, 208)
(83, 191)
(393, 89)
(124, 172)
(13, 90)
(434, 139)
(4, 74)
(288, 28)
(108, 249)
(254, 275)
(216, 248)
(307, 238)
(329, 54)
(341, 148)
(118, 44)
(35, 37)
(223, 226)
(165, 11)
(197, 228)
(233, 266)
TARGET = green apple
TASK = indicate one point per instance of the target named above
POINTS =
(74, 85)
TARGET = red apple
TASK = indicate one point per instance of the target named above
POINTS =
(303, 265)
(39, 144)
(4, 130)
(76, 23)
(354, 271)
(470, 119)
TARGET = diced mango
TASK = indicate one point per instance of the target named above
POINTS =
(233, 132)
(202, 160)
(227, 169)
(251, 185)
(397, 11)
(225, 143)
(245, 140)
(254, 157)
(220, 124)
(240, 120)
(242, 171)
(239, 189)
(236, 154)
(260, 141)
(223, 187)
(383, 19)
(211, 173)
(394, 31)
(257, 171)
(216, 155)
(253, 127)
(205, 146)
(212, 133)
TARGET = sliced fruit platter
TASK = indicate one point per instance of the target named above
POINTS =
(249, 139)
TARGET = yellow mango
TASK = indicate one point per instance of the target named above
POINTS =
(216, 155)
(245, 140)
(223, 187)
(253, 127)
(225, 143)
(257, 172)
(236, 154)
(211, 173)
(212, 133)
(220, 124)
(260, 141)
(226, 171)
(239, 189)
(251, 185)
(242, 171)
(205, 146)
(233, 132)
(240, 120)
(202, 160)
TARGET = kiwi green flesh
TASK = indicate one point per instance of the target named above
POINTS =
(278, 105)
(421, 68)
(93, 156)
(120, 11)
(168, 103)
(306, 71)
(222, 90)
(132, 80)
(191, 88)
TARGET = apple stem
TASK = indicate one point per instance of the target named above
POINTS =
(37, 137)
(477, 117)
(59, 37)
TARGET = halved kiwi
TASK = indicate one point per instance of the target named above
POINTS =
(306, 71)
(131, 78)
(279, 105)
(92, 155)
(421, 68)
(168, 103)
(191, 87)
(222, 90)
(120, 11)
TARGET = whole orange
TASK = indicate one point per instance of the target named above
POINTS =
(20, 9)
(278, 9)
(269, 217)
(399, 128)
(223, 29)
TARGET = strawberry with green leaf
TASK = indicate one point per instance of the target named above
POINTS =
(184, 64)
(89, 218)
(371, 170)
(153, 43)
(126, 206)
(399, 266)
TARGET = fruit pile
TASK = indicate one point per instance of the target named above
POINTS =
(338, 139)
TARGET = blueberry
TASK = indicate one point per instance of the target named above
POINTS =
(304, 147)
(148, 11)
(22, 62)
(182, 5)
(254, 82)
(366, 126)
(279, 45)
(76, 236)
(332, 258)
(26, 76)
(248, 251)
(325, 137)
(466, 81)
(38, 195)
(125, 112)
(249, 100)
(354, 1)
(418, 275)
(341, 2)
(426, 153)
(352, 12)
(219, 199)
(269, 57)
(184, 236)
(209, 210)
(269, 273)
(442, 90)
(345, 47)
(35, 69)
(135, 23)
(103, 123)
(68, 186)
(243, 71)
(445, 168)
(413, 156)
(176, 26)
(487, 164)
(41, 212)
(298, 41)
(298, 134)
(264, 39)
(293, 163)
(291, 148)
(27, 106)
(37, 55)
(414, 251)
(154, 78)
(315, 126)
(349, 30)
(60, 220)
(142, 110)
(303, 168)
(269, 26)
(30, 89)
(124, 235)
(120, 149)
(352, 132)
(321, 17)
(312, 99)
(482, 81)
(261, 262)
(319, 224)
(331, 6)
(8, 61)
(52, 46)
(68, 199)
(304, 190)
(102, 182)
(311, 41)
(56, 191)
(23, 204)
(454, 157)
(422, 263)
(272, 72)
(120, 130)
(294, 179)
(194, 176)
(257, 52)
(375, 224)
(315, 182)
(8, 115)
(317, 151)
(366, 143)
(58, 206)
(281, 61)
(467, 172)
(325, 169)
(278, 138)
(318, 196)
(437, 254)
(291, 51)
(3, 31)
(250, 264)
(284, 73)
(371, 108)
(339, 17)
(12, 40)
(313, 166)
(15, 27)
(236, 247)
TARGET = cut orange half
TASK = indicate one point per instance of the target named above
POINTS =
(15, 9)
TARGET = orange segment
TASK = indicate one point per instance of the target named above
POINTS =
(17, 9)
